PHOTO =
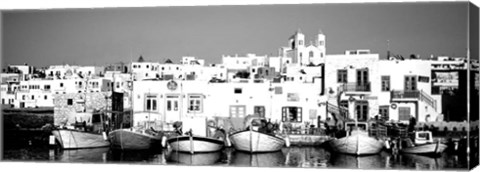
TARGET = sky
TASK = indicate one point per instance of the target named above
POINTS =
(108, 35)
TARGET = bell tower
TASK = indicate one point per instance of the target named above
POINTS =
(320, 43)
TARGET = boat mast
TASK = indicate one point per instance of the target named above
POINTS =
(468, 82)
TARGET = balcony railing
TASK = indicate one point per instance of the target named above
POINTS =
(413, 94)
(359, 87)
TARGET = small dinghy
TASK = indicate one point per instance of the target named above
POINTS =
(423, 144)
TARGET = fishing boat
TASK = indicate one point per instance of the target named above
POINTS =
(81, 137)
(75, 139)
(253, 140)
(195, 144)
(135, 139)
(357, 141)
(191, 143)
(423, 144)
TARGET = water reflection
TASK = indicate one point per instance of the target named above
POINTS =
(306, 157)
(291, 157)
(193, 159)
(98, 155)
(140, 156)
(272, 159)
(420, 162)
(360, 162)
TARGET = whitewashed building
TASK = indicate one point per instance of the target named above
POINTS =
(350, 81)
(406, 91)
(170, 101)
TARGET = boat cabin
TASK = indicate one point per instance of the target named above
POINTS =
(359, 125)
(423, 137)
(352, 127)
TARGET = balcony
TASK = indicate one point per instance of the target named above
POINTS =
(413, 95)
(355, 87)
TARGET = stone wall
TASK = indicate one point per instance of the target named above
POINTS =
(81, 105)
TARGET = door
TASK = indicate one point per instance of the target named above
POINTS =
(404, 113)
(259, 110)
(362, 79)
(172, 108)
(410, 83)
(361, 109)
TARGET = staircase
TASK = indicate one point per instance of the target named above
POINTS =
(340, 113)
(427, 99)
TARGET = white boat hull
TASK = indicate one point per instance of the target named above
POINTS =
(195, 144)
(432, 148)
(71, 139)
(357, 144)
(252, 141)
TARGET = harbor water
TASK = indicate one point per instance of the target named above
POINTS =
(307, 157)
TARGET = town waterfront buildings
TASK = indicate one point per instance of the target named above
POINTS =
(302, 86)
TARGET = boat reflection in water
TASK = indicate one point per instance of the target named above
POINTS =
(270, 159)
(420, 162)
(83, 155)
(306, 157)
(140, 156)
(358, 162)
(209, 158)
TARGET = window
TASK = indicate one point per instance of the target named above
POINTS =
(33, 97)
(69, 101)
(151, 103)
(259, 110)
(300, 42)
(342, 76)
(195, 103)
(292, 114)
(423, 79)
(410, 83)
(23, 97)
(45, 97)
(404, 113)
(385, 83)
(310, 54)
(237, 111)
(321, 43)
(383, 111)
(293, 97)
(278, 90)
(61, 84)
(238, 91)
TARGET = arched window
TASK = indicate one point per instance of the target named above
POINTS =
(310, 54)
